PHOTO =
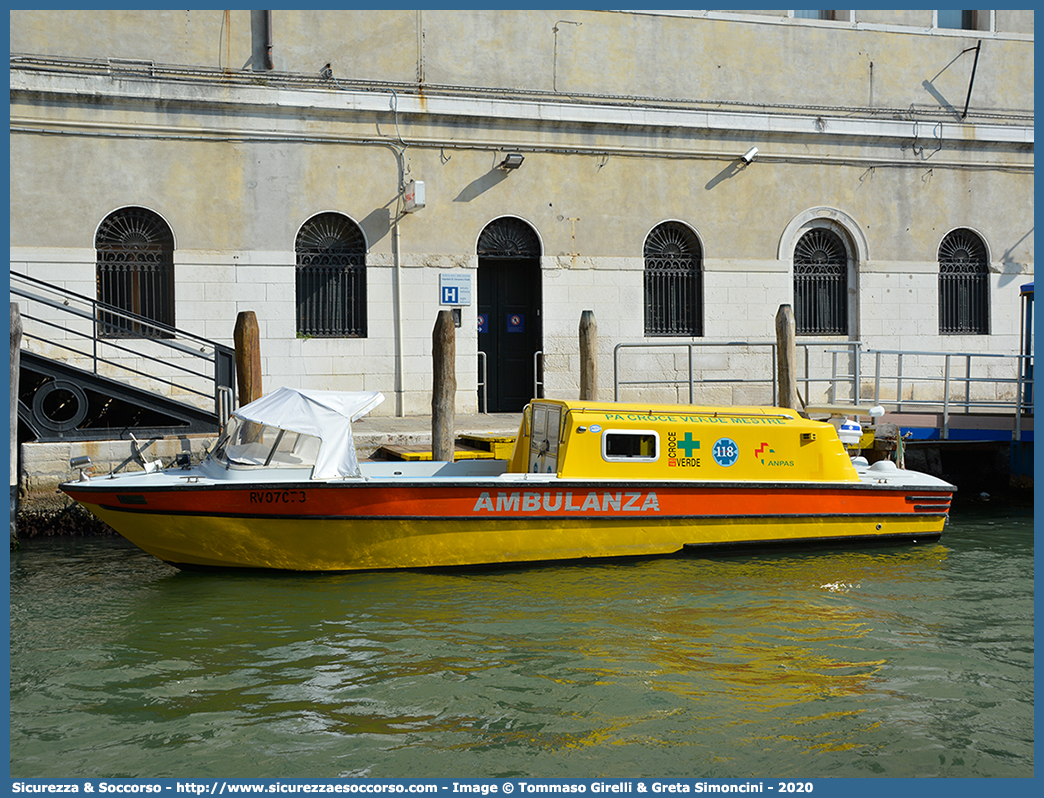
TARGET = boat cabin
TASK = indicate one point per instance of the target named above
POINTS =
(589, 440)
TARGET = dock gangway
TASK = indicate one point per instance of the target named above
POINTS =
(94, 371)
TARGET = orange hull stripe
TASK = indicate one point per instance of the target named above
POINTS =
(391, 502)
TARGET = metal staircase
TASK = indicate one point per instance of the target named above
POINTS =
(92, 371)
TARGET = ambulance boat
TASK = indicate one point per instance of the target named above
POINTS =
(284, 489)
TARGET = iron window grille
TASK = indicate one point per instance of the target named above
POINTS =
(673, 281)
(820, 284)
(964, 287)
(135, 273)
(331, 278)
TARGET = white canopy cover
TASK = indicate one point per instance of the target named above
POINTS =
(328, 415)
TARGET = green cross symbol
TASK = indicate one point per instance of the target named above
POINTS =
(688, 444)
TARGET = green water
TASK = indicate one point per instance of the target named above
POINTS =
(892, 662)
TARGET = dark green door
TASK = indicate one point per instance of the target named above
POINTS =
(509, 298)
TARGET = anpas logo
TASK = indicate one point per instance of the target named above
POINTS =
(763, 453)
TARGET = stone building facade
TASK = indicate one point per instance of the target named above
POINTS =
(348, 174)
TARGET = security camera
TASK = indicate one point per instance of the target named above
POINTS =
(750, 155)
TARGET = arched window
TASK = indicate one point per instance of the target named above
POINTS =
(673, 281)
(135, 272)
(820, 283)
(331, 278)
(508, 237)
(964, 287)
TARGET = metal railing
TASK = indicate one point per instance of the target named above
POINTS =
(842, 383)
(538, 381)
(842, 376)
(957, 389)
(538, 372)
(482, 382)
(82, 328)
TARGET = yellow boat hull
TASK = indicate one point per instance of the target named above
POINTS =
(338, 544)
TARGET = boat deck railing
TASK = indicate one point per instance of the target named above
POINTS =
(837, 372)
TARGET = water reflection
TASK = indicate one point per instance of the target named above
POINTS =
(392, 654)
(741, 665)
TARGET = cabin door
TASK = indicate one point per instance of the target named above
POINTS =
(543, 439)
(509, 298)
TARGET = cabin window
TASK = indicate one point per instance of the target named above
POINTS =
(631, 446)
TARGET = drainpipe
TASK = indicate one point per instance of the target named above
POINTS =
(269, 63)
(397, 214)
(400, 409)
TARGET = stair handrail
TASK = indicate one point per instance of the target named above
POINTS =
(186, 343)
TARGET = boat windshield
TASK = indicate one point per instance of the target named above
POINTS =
(247, 444)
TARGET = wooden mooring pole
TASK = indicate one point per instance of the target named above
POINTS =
(588, 357)
(786, 358)
(444, 387)
(16, 348)
(247, 338)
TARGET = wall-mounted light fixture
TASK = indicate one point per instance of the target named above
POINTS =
(749, 156)
(512, 160)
